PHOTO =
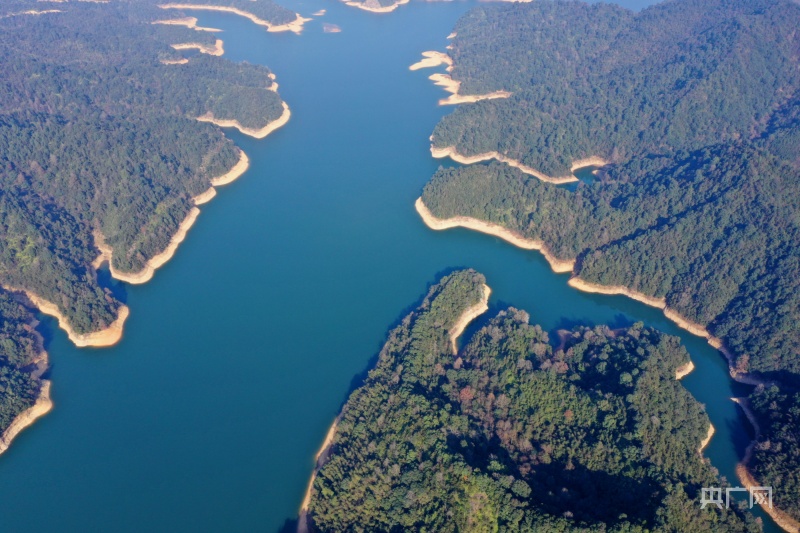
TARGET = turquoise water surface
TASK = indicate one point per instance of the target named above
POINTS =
(240, 352)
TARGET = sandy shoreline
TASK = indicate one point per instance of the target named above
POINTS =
(468, 316)
(216, 50)
(432, 58)
(181, 61)
(105, 337)
(204, 197)
(146, 274)
(158, 260)
(684, 370)
(706, 440)
(386, 9)
(452, 86)
(234, 173)
(189, 22)
(321, 458)
(258, 134)
(41, 407)
(558, 265)
(32, 12)
(453, 154)
(781, 518)
(786, 522)
(295, 26)
(563, 266)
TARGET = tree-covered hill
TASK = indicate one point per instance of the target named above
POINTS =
(98, 136)
(696, 104)
(512, 435)
(597, 80)
(20, 355)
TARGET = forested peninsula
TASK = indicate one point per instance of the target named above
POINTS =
(512, 434)
(695, 107)
(103, 158)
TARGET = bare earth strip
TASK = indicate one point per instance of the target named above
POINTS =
(468, 316)
(189, 22)
(32, 12)
(706, 440)
(432, 58)
(746, 478)
(321, 458)
(558, 265)
(295, 26)
(258, 134)
(157, 261)
(26, 418)
(216, 50)
(684, 370)
(105, 337)
(566, 265)
(453, 154)
(377, 8)
(452, 86)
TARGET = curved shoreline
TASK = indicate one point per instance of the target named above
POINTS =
(158, 260)
(469, 314)
(452, 86)
(258, 134)
(189, 22)
(453, 154)
(384, 9)
(295, 26)
(561, 266)
(32, 12)
(433, 58)
(41, 407)
(684, 370)
(746, 478)
(321, 458)
(97, 339)
(706, 440)
(216, 50)
(558, 265)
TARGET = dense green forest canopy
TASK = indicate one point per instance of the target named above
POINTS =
(511, 434)
(776, 457)
(598, 80)
(20, 351)
(696, 106)
(707, 221)
(96, 134)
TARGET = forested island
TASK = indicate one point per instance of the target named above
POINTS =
(103, 157)
(695, 106)
(512, 434)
